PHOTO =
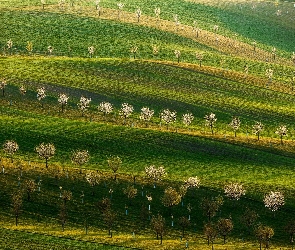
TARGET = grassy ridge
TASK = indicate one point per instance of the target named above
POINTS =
(182, 155)
(260, 24)
(156, 86)
(14, 239)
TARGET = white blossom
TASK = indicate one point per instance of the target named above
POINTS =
(9, 44)
(62, 99)
(192, 182)
(41, 93)
(10, 147)
(45, 151)
(126, 110)
(282, 130)
(155, 174)
(80, 157)
(269, 73)
(215, 28)
(235, 124)
(91, 50)
(234, 190)
(105, 107)
(92, 177)
(293, 57)
(138, 13)
(50, 49)
(274, 200)
(210, 120)
(83, 105)
(187, 119)
(146, 114)
(3, 84)
(257, 128)
(22, 90)
(155, 49)
(149, 198)
(168, 116)
(157, 12)
(120, 6)
(177, 53)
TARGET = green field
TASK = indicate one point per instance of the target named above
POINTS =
(219, 84)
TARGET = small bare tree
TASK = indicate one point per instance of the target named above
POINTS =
(264, 234)
(158, 225)
(224, 226)
(200, 57)
(17, 202)
(177, 54)
(134, 50)
(30, 187)
(130, 192)
(211, 206)
(93, 178)
(138, 13)
(63, 215)
(184, 223)
(210, 233)
(3, 85)
(290, 229)
(114, 163)
(249, 218)
(171, 198)
(269, 75)
(22, 90)
(45, 151)
(29, 47)
(109, 218)
(120, 8)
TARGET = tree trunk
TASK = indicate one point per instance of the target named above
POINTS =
(161, 239)
(16, 220)
(224, 239)
(46, 162)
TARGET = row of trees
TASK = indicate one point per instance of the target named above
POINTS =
(171, 198)
(155, 49)
(166, 116)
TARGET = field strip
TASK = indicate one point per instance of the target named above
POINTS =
(227, 45)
